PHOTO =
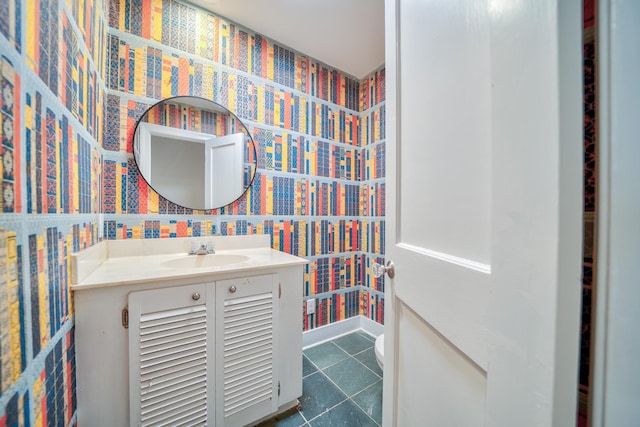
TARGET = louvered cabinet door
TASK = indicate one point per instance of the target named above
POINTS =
(170, 357)
(246, 349)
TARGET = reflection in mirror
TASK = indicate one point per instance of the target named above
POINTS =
(194, 152)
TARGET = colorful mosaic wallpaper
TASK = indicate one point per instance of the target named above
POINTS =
(75, 76)
(52, 66)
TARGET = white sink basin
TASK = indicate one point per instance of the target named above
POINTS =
(203, 261)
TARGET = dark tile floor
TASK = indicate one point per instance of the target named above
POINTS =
(341, 385)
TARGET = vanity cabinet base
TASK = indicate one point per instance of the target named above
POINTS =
(118, 365)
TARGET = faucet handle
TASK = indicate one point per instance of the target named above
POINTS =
(193, 248)
(211, 247)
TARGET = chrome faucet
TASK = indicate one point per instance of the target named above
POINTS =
(203, 249)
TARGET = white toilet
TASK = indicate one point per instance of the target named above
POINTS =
(379, 348)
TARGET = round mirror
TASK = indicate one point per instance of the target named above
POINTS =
(194, 152)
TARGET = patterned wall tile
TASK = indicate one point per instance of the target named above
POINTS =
(12, 345)
(55, 84)
(11, 22)
(197, 32)
(10, 115)
(88, 16)
(142, 70)
(120, 119)
(188, 117)
(54, 387)
(330, 236)
(339, 306)
(372, 305)
(49, 266)
(372, 199)
(56, 53)
(332, 273)
(372, 125)
(373, 162)
(163, 227)
(79, 82)
(125, 191)
(54, 391)
(372, 90)
(372, 236)
(16, 411)
(63, 167)
(42, 38)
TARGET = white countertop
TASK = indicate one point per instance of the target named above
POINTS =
(114, 263)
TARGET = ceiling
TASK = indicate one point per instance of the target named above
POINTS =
(344, 34)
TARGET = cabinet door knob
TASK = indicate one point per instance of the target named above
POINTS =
(232, 288)
(195, 296)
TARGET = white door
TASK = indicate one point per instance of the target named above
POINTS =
(224, 170)
(484, 164)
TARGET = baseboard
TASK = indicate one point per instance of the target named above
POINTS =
(331, 331)
(371, 327)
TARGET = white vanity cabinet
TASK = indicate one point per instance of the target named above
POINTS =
(204, 349)
(246, 349)
(218, 348)
(171, 347)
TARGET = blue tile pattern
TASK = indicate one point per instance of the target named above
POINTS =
(338, 389)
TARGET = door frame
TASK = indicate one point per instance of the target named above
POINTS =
(615, 388)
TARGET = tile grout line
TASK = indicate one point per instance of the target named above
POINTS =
(375, 373)
(354, 357)
(346, 394)
(367, 387)
(328, 366)
(343, 391)
(319, 371)
(326, 411)
(349, 355)
(363, 411)
(356, 403)
(348, 398)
